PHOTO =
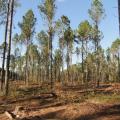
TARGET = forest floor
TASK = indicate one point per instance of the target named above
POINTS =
(71, 103)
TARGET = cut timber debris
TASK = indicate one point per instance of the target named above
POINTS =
(15, 114)
(18, 109)
(42, 96)
(10, 115)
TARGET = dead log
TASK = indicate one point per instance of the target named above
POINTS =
(15, 114)
(10, 115)
(42, 96)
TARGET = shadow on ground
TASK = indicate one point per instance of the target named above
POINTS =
(105, 113)
(48, 116)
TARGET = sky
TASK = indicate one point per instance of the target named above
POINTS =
(77, 11)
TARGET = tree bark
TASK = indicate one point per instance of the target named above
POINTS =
(82, 62)
(51, 58)
(5, 48)
(119, 14)
(11, 2)
(68, 63)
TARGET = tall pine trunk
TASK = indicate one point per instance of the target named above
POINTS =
(11, 2)
(51, 59)
(97, 57)
(82, 61)
(119, 35)
(26, 67)
(86, 74)
(68, 75)
(119, 14)
(118, 67)
(5, 49)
